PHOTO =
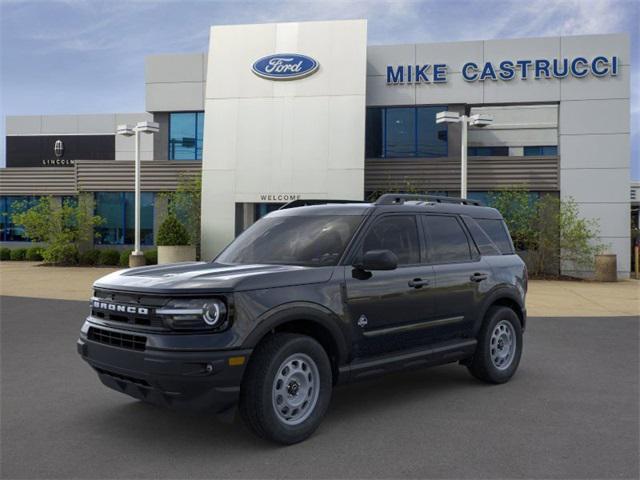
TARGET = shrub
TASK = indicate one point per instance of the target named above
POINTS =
(61, 254)
(172, 232)
(109, 257)
(62, 227)
(124, 258)
(90, 257)
(151, 257)
(34, 254)
(18, 254)
(5, 253)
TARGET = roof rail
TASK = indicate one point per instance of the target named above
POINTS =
(306, 202)
(400, 198)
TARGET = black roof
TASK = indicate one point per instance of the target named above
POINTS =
(451, 205)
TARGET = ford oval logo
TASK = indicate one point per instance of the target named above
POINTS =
(285, 66)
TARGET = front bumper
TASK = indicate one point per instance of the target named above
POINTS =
(201, 380)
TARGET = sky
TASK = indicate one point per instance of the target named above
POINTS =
(87, 56)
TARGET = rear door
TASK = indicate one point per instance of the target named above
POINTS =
(388, 308)
(460, 274)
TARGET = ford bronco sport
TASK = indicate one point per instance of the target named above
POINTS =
(309, 297)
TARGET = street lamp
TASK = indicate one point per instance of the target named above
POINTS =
(136, 259)
(477, 120)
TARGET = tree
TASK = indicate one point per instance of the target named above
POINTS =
(549, 229)
(184, 203)
(62, 227)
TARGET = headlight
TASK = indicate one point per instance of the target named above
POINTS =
(199, 314)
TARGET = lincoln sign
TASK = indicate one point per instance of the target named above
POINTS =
(578, 67)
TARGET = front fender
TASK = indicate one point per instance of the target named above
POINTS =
(308, 311)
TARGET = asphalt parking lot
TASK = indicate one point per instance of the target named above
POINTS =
(570, 412)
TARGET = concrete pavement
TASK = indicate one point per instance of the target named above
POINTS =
(571, 411)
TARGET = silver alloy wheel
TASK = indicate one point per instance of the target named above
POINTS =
(503, 345)
(296, 389)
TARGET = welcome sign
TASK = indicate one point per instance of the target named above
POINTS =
(506, 70)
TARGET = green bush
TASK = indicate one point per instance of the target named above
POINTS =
(90, 257)
(61, 254)
(151, 257)
(124, 258)
(34, 254)
(172, 232)
(62, 227)
(18, 254)
(5, 253)
(109, 257)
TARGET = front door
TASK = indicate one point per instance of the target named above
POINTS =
(388, 308)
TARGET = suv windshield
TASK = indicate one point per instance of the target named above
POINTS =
(313, 241)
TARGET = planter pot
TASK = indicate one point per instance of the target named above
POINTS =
(175, 254)
(606, 268)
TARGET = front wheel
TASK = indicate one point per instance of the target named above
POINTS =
(499, 346)
(287, 388)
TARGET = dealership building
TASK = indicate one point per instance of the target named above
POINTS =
(283, 111)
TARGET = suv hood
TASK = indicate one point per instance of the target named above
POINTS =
(203, 277)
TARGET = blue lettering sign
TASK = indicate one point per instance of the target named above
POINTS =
(470, 77)
(397, 76)
(507, 71)
(439, 73)
(421, 76)
(285, 66)
(578, 67)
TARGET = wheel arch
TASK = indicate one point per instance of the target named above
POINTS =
(307, 319)
(502, 297)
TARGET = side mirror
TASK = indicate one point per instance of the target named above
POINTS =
(378, 260)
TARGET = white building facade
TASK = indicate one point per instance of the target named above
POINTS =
(283, 111)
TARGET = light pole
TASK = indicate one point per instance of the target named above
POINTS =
(136, 259)
(478, 120)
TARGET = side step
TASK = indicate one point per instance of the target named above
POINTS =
(440, 354)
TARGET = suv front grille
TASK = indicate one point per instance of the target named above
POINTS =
(117, 339)
(131, 309)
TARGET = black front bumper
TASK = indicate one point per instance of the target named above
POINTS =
(176, 379)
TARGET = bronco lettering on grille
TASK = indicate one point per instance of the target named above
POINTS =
(113, 307)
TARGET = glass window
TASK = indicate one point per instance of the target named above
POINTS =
(373, 133)
(482, 240)
(544, 151)
(488, 151)
(313, 241)
(497, 231)
(400, 130)
(405, 132)
(117, 211)
(185, 135)
(397, 233)
(10, 232)
(432, 136)
(447, 241)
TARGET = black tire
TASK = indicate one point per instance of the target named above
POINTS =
(482, 364)
(257, 404)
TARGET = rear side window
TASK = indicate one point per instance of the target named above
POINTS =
(480, 237)
(397, 233)
(446, 240)
(497, 231)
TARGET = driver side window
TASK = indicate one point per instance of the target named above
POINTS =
(397, 233)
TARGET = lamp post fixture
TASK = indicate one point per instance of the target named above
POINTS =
(478, 120)
(136, 259)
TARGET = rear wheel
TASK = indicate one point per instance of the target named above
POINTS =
(287, 388)
(499, 346)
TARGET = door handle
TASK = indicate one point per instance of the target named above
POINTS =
(478, 277)
(418, 283)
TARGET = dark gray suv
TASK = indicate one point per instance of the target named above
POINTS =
(312, 296)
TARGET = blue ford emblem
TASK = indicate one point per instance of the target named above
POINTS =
(285, 66)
